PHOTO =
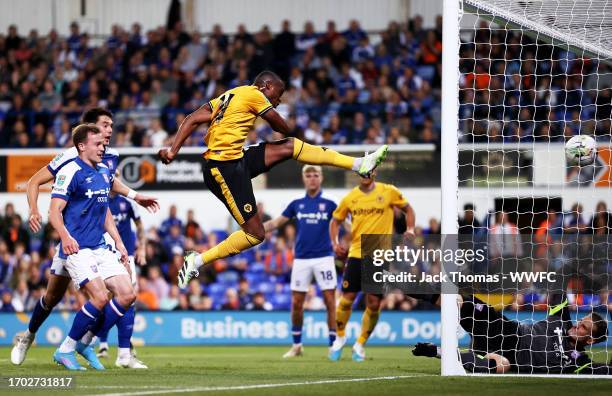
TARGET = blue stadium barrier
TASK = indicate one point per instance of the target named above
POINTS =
(245, 328)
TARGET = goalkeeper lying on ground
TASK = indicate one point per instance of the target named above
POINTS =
(550, 346)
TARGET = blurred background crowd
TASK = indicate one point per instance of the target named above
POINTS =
(258, 279)
(344, 85)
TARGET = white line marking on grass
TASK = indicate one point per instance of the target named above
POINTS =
(261, 386)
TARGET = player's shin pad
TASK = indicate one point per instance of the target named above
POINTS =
(316, 155)
(233, 244)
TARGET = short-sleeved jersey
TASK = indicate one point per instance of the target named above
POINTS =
(313, 215)
(233, 117)
(85, 190)
(110, 158)
(124, 211)
(371, 213)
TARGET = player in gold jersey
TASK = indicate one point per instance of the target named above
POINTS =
(370, 207)
(230, 166)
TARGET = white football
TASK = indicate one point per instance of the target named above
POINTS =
(581, 150)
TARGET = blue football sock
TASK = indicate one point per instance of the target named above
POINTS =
(296, 332)
(85, 318)
(40, 314)
(125, 327)
(112, 312)
(332, 336)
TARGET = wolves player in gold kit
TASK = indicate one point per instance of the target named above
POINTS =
(230, 167)
(370, 206)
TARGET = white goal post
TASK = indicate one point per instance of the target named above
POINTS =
(581, 31)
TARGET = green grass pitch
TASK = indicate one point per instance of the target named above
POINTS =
(260, 370)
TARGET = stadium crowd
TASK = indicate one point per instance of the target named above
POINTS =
(257, 279)
(344, 87)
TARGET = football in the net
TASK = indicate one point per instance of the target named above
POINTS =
(581, 150)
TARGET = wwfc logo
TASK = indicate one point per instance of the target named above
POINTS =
(248, 208)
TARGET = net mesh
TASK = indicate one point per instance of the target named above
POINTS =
(532, 75)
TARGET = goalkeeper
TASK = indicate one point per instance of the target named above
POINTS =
(550, 346)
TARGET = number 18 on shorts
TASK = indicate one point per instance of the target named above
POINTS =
(322, 268)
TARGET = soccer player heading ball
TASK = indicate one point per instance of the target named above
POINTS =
(230, 167)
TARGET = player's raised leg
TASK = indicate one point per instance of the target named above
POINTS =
(293, 148)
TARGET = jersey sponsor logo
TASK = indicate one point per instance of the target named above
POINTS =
(312, 216)
(367, 211)
(90, 193)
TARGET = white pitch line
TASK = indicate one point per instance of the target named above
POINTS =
(260, 386)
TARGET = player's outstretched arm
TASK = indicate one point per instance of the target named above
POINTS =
(276, 121)
(69, 244)
(190, 123)
(111, 228)
(41, 177)
(275, 223)
(149, 203)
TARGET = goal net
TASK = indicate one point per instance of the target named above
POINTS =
(531, 74)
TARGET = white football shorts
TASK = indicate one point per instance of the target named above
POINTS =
(322, 268)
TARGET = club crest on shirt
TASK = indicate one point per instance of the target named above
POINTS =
(94, 268)
(61, 179)
(105, 177)
(248, 208)
(380, 199)
(322, 207)
(122, 205)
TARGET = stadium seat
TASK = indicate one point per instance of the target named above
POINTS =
(281, 301)
(228, 277)
(266, 287)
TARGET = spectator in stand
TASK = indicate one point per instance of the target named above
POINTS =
(157, 284)
(278, 261)
(601, 222)
(172, 219)
(15, 232)
(156, 133)
(232, 301)
(174, 242)
(504, 238)
(468, 224)
(259, 303)
(573, 221)
(146, 299)
(6, 304)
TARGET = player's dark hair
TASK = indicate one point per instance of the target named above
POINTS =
(82, 131)
(91, 116)
(267, 75)
(600, 328)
